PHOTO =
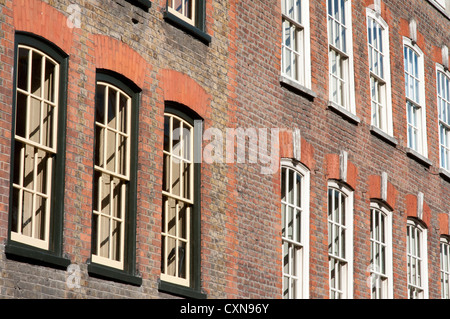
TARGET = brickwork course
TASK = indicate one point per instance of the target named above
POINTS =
(231, 82)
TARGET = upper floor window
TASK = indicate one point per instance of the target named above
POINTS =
(416, 242)
(180, 234)
(443, 99)
(37, 160)
(184, 9)
(380, 90)
(445, 267)
(115, 174)
(415, 97)
(340, 240)
(340, 54)
(190, 16)
(295, 57)
(295, 229)
(380, 251)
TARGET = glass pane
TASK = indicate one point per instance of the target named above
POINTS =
(183, 219)
(182, 259)
(176, 135)
(116, 240)
(110, 151)
(167, 133)
(42, 173)
(122, 155)
(187, 180)
(104, 236)
(27, 213)
(100, 104)
(36, 73)
(105, 191)
(28, 167)
(47, 125)
(34, 120)
(99, 157)
(112, 107)
(22, 69)
(49, 81)
(21, 114)
(40, 215)
(123, 114)
(166, 173)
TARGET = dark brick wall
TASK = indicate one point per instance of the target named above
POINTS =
(233, 83)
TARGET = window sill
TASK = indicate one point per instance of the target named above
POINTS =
(383, 135)
(104, 272)
(192, 30)
(25, 253)
(418, 157)
(444, 174)
(143, 4)
(343, 112)
(297, 87)
(180, 291)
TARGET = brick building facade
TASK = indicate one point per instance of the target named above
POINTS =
(351, 98)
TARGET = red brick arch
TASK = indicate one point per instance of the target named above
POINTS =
(116, 56)
(41, 19)
(179, 87)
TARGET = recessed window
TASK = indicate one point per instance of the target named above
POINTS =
(417, 260)
(295, 58)
(380, 251)
(114, 180)
(295, 230)
(340, 241)
(445, 267)
(340, 54)
(112, 173)
(415, 98)
(443, 94)
(180, 233)
(184, 9)
(380, 91)
(38, 150)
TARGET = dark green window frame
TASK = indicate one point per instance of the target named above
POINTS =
(199, 29)
(194, 290)
(129, 273)
(53, 256)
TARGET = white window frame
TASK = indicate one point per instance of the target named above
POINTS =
(445, 266)
(112, 216)
(342, 260)
(381, 99)
(177, 154)
(299, 35)
(183, 15)
(415, 104)
(37, 146)
(381, 279)
(443, 108)
(342, 54)
(441, 3)
(297, 273)
(417, 256)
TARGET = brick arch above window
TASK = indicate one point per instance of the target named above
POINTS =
(387, 193)
(111, 54)
(336, 169)
(417, 208)
(179, 87)
(39, 18)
